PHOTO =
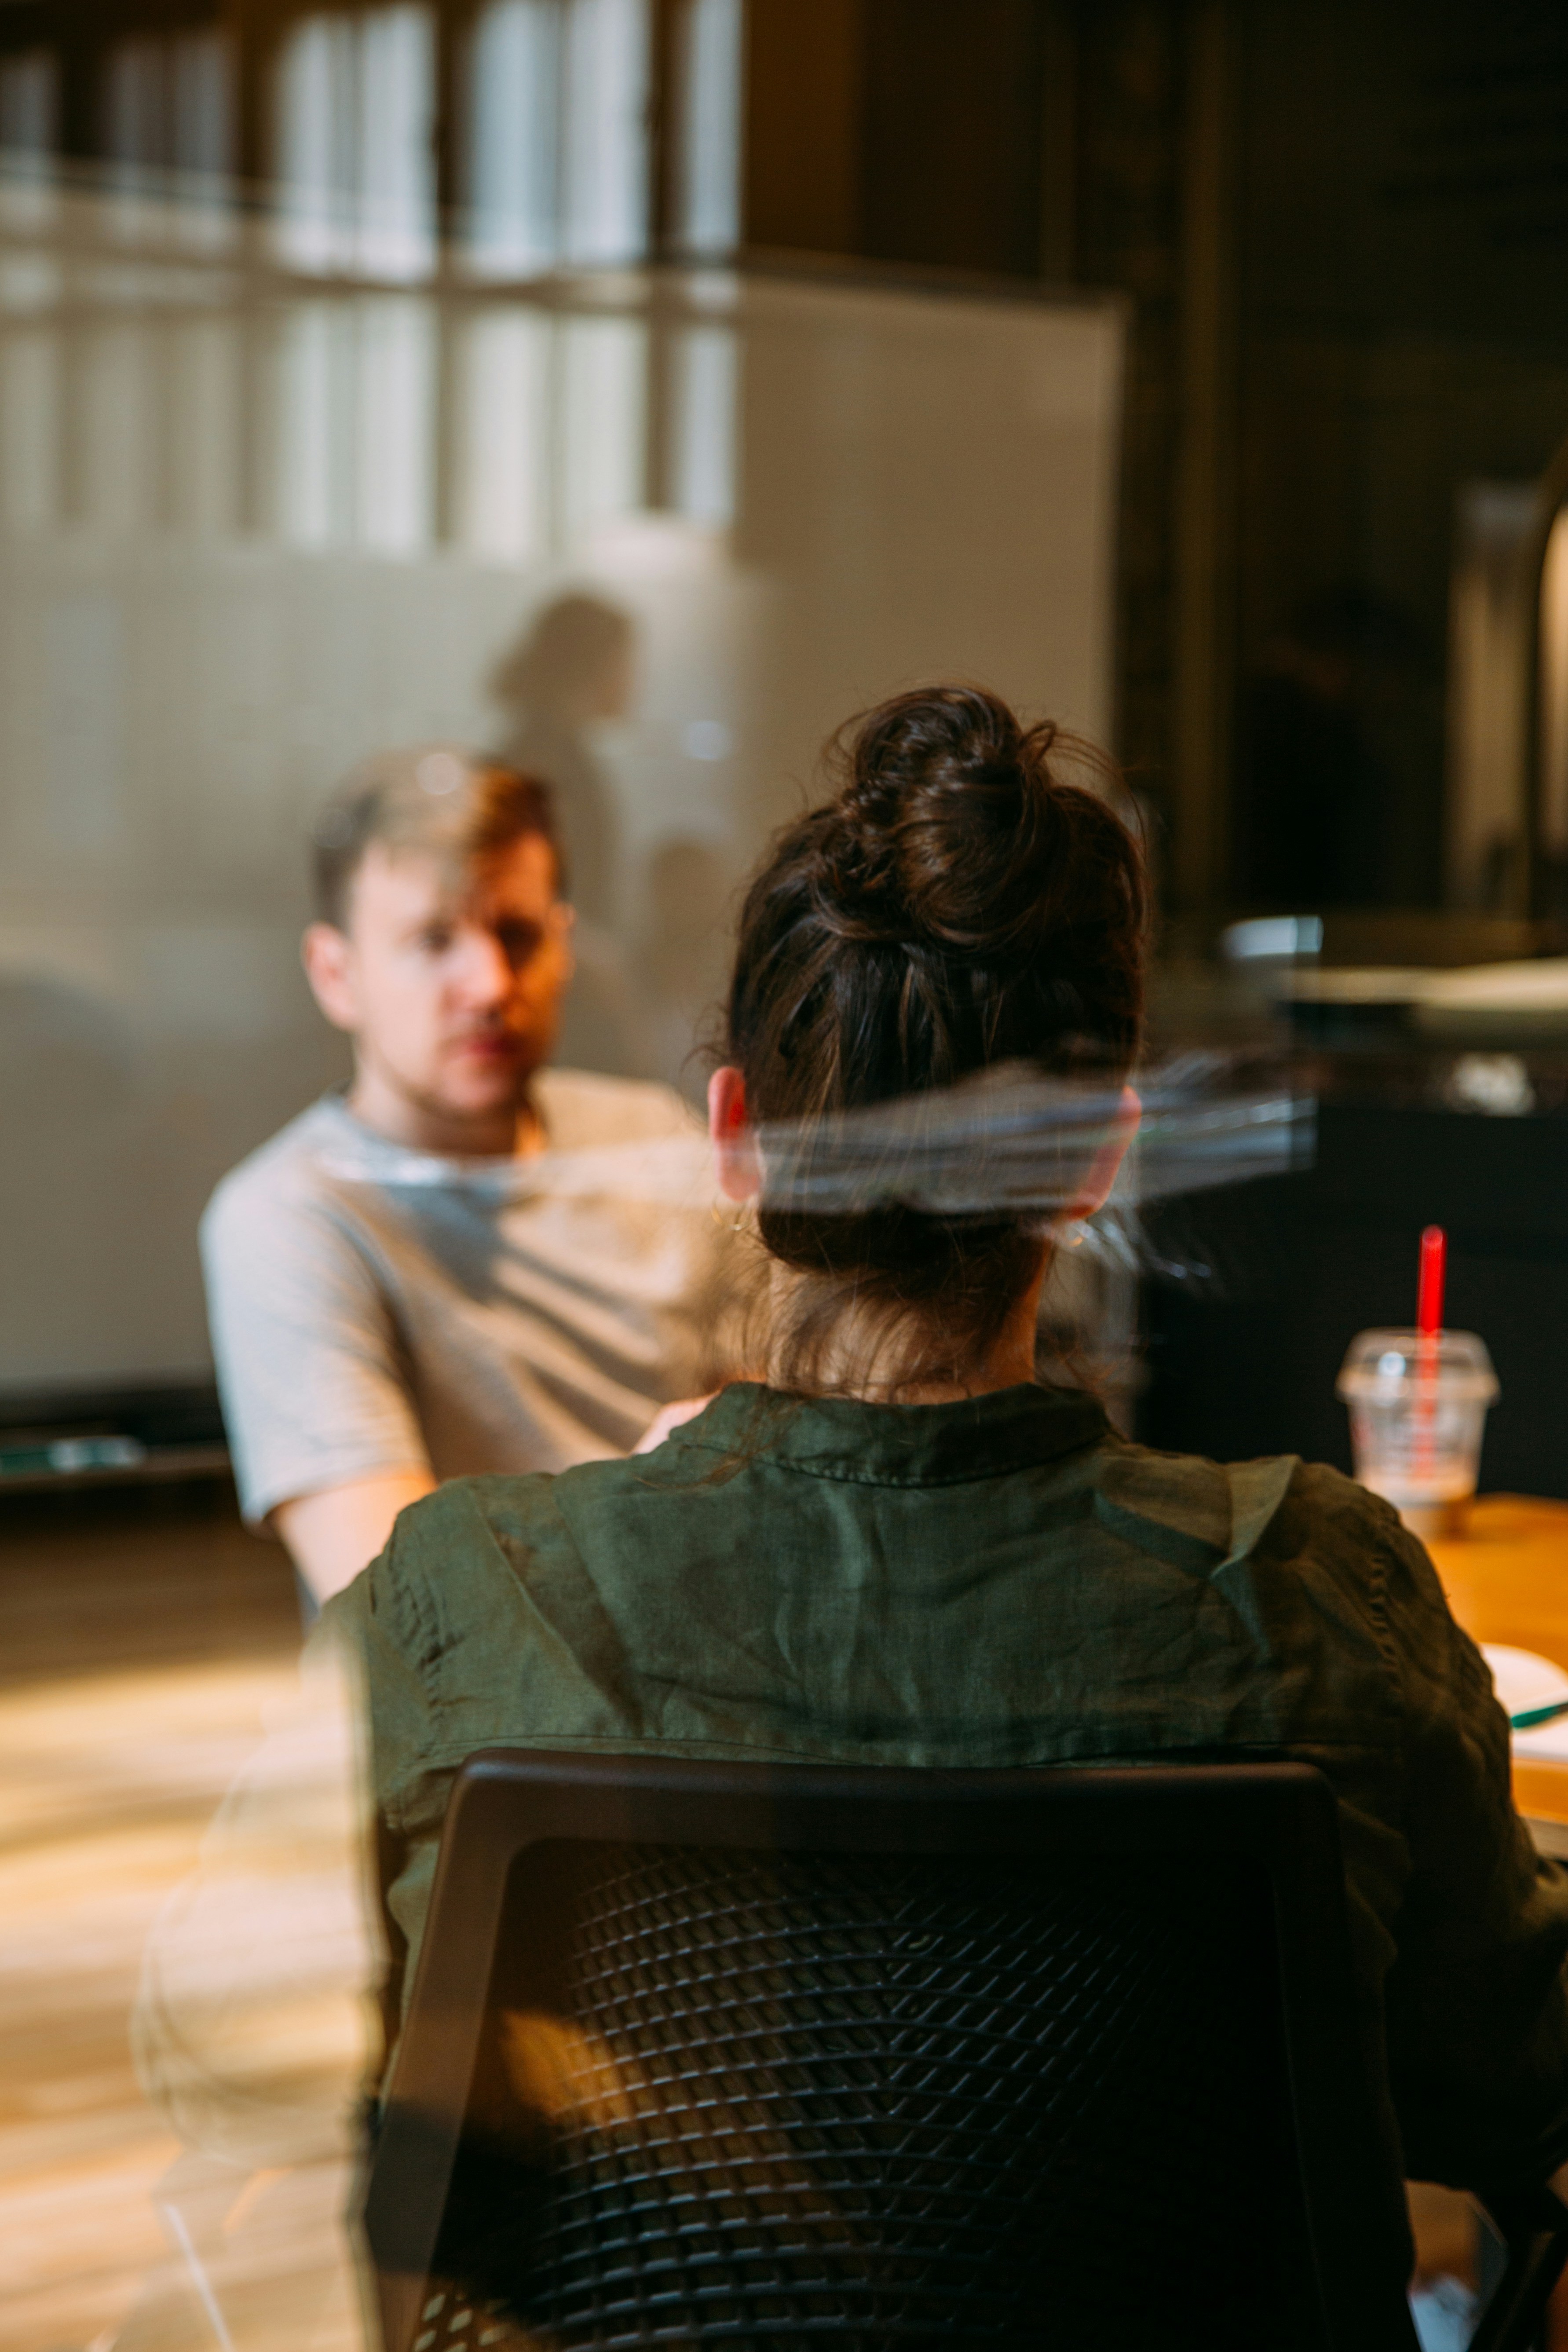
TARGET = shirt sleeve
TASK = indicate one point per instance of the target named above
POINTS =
(1477, 2006)
(315, 1392)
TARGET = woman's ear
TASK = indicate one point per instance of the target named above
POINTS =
(1107, 1161)
(734, 1145)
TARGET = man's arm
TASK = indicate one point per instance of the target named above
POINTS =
(324, 1433)
(332, 1535)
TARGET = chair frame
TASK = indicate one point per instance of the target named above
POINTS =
(1280, 1815)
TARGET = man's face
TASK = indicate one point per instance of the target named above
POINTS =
(450, 986)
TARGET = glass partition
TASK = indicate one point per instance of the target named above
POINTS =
(279, 488)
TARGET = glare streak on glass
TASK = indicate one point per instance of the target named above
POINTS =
(504, 376)
(602, 420)
(515, 62)
(395, 445)
(707, 161)
(705, 363)
(604, 117)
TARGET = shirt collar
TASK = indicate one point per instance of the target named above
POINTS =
(897, 1445)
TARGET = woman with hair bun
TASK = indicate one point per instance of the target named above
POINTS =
(897, 1547)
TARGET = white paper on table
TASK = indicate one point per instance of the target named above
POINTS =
(1525, 1680)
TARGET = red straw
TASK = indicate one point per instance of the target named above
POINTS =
(1428, 1324)
(1429, 1292)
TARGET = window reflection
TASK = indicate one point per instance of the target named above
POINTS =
(166, 107)
(702, 405)
(708, 146)
(502, 491)
(557, 171)
(514, 73)
(29, 133)
(356, 425)
(604, 412)
(356, 97)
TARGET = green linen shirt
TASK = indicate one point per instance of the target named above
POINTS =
(1002, 1581)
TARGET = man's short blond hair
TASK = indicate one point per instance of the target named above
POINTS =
(456, 806)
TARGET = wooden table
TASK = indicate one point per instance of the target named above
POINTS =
(1507, 1581)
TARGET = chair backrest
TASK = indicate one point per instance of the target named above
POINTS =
(705, 2053)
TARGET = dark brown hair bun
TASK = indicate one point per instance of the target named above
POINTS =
(952, 808)
(957, 905)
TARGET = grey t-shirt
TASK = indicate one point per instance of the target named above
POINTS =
(375, 1308)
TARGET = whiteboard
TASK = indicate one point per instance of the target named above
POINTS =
(252, 528)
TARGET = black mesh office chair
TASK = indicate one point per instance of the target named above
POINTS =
(713, 2053)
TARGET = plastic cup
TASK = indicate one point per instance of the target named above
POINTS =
(1418, 1408)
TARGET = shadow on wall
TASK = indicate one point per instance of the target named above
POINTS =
(683, 956)
(573, 668)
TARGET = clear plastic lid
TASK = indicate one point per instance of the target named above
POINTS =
(1382, 1366)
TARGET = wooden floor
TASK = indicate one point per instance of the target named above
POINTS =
(142, 1638)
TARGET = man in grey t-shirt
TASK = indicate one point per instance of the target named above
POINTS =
(468, 1262)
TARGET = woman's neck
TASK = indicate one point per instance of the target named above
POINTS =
(863, 1358)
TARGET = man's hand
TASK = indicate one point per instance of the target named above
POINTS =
(669, 1418)
(334, 1534)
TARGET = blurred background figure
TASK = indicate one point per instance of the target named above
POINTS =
(573, 669)
(464, 1263)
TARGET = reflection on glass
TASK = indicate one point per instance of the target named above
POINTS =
(29, 104)
(605, 131)
(514, 70)
(250, 529)
(315, 355)
(167, 109)
(502, 493)
(29, 421)
(557, 134)
(254, 525)
(603, 413)
(355, 95)
(396, 436)
(707, 153)
(205, 392)
(702, 406)
(29, 130)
